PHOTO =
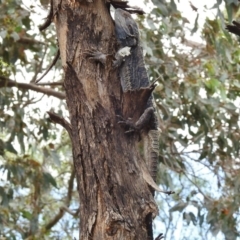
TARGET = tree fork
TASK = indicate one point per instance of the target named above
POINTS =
(115, 200)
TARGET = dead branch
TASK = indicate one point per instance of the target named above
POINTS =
(60, 120)
(26, 40)
(59, 83)
(49, 18)
(6, 82)
(50, 66)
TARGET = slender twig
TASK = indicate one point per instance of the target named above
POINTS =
(6, 82)
(26, 40)
(59, 83)
(39, 66)
(49, 18)
(60, 120)
(50, 66)
(31, 101)
(61, 212)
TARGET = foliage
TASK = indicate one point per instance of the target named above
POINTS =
(197, 96)
(37, 179)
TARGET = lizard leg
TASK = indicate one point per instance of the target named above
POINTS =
(97, 56)
(127, 123)
(120, 56)
(144, 118)
(141, 123)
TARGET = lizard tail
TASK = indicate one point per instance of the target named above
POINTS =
(151, 152)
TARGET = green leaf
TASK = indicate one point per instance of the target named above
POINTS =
(180, 206)
(26, 22)
(26, 214)
(11, 11)
(195, 25)
(212, 85)
(48, 179)
(18, 29)
(9, 147)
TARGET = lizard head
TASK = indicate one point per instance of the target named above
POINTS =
(126, 28)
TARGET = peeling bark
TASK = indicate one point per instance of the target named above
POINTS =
(115, 200)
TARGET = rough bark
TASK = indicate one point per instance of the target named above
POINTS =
(115, 201)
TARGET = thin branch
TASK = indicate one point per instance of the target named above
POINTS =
(39, 66)
(6, 82)
(55, 220)
(70, 187)
(61, 212)
(30, 101)
(50, 15)
(26, 40)
(199, 189)
(50, 66)
(74, 214)
(59, 83)
(49, 18)
(160, 236)
(13, 226)
(60, 120)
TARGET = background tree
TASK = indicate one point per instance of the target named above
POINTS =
(197, 96)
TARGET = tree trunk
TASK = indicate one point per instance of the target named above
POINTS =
(116, 202)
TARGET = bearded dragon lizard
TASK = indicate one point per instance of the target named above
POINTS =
(133, 76)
